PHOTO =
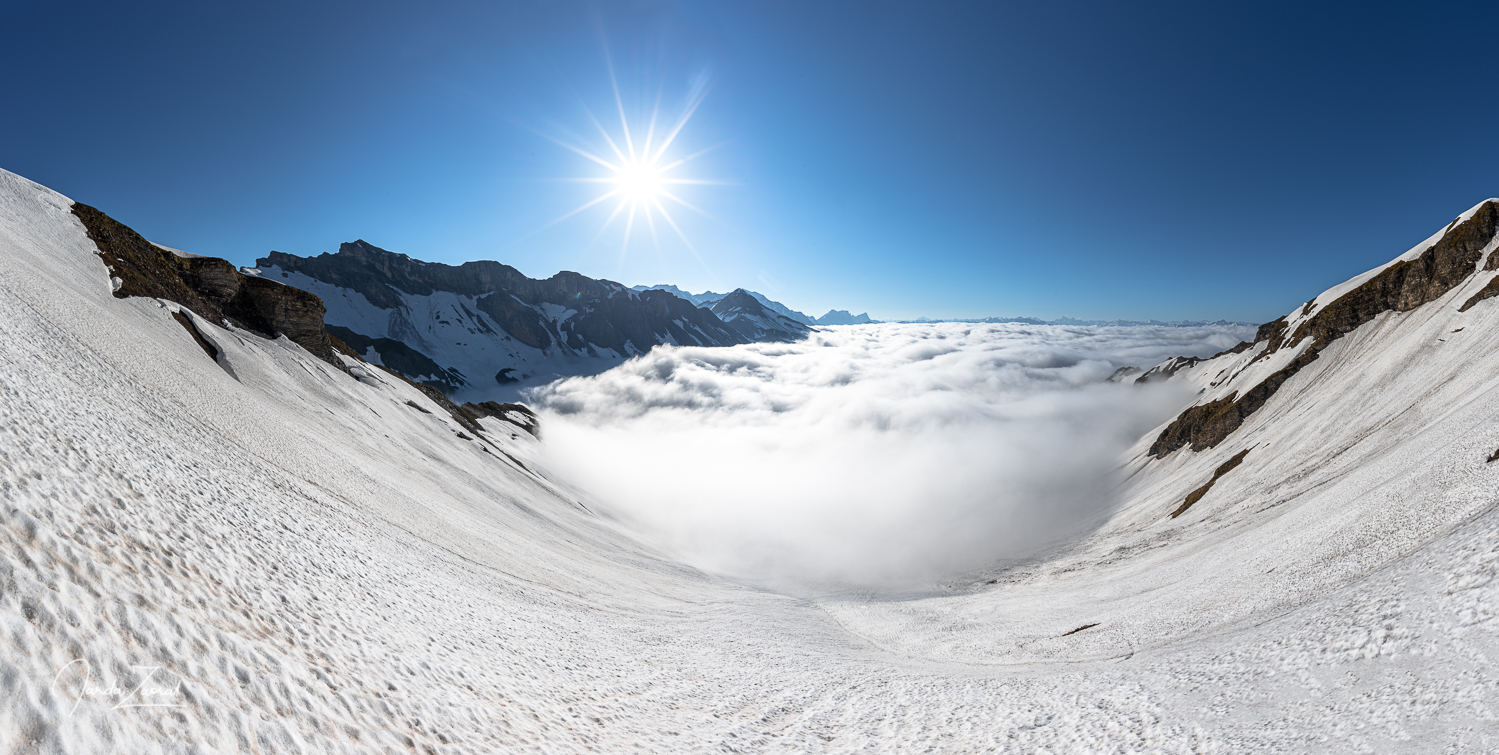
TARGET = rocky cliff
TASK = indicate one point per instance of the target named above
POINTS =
(1421, 277)
(209, 286)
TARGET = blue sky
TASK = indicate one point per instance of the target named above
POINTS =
(1162, 160)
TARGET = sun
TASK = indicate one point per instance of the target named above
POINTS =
(639, 182)
(641, 171)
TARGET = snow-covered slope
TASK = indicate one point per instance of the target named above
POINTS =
(284, 557)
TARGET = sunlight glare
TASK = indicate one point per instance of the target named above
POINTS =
(639, 182)
(640, 172)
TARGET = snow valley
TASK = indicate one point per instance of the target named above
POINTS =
(1269, 539)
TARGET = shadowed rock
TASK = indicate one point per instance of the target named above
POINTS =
(742, 312)
(1196, 495)
(1401, 287)
(210, 287)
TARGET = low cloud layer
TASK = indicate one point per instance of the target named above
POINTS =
(876, 456)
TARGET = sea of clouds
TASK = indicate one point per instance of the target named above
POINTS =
(871, 456)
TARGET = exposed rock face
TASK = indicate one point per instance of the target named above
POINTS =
(399, 357)
(192, 330)
(1196, 495)
(1406, 285)
(1400, 287)
(1166, 369)
(742, 312)
(209, 286)
(608, 314)
(1490, 290)
(618, 318)
(519, 415)
(1238, 348)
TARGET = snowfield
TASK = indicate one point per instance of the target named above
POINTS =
(264, 554)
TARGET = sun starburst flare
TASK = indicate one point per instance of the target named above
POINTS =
(641, 172)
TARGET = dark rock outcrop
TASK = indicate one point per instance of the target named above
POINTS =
(1401, 287)
(210, 287)
(1079, 629)
(1196, 495)
(467, 415)
(1166, 369)
(192, 330)
(519, 415)
(398, 356)
(1490, 290)
(1238, 348)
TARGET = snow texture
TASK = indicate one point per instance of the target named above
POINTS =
(279, 557)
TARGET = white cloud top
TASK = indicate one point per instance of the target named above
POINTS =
(876, 455)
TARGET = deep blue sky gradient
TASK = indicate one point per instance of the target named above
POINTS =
(1160, 160)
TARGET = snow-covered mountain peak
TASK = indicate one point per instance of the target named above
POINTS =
(742, 311)
(708, 298)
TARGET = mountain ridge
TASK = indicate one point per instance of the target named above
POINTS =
(708, 298)
(491, 330)
(743, 311)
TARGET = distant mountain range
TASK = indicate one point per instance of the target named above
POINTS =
(747, 315)
(483, 330)
(1071, 321)
(708, 298)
